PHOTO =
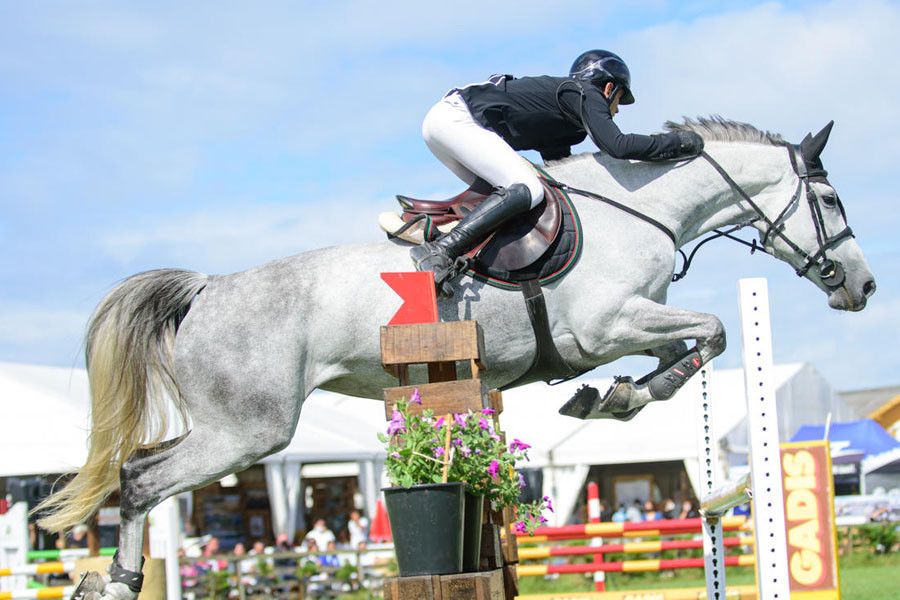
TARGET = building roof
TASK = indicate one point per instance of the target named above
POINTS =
(868, 401)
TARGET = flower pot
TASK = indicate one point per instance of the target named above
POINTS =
(427, 524)
(472, 533)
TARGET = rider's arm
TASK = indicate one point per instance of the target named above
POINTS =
(606, 134)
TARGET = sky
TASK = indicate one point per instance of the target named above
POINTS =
(215, 136)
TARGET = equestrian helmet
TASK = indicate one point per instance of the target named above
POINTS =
(602, 66)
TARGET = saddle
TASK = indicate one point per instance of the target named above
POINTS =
(541, 244)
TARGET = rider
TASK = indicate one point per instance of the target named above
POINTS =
(475, 131)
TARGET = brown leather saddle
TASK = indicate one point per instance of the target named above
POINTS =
(515, 246)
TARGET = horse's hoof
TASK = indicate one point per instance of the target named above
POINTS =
(90, 587)
(582, 403)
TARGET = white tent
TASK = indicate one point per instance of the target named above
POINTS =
(46, 412)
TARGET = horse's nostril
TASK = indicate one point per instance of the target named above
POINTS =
(869, 288)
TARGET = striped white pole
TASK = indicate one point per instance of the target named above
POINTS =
(38, 569)
(594, 517)
(47, 592)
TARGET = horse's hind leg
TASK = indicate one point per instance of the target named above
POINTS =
(205, 455)
(662, 331)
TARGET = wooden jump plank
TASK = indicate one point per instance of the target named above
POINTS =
(444, 397)
(432, 342)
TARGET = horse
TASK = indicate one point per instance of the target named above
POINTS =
(238, 354)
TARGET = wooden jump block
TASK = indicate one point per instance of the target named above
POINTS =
(509, 540)
(491, 548)
(488, 585)
(422, 343)
(425, 587)
(444, 397)
(510, 581)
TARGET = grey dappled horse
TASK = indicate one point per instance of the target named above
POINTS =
(241, 352)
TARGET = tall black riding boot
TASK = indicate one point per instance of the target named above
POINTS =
(438, 256)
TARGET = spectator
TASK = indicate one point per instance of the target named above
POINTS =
(358, 527)
(606, 512)
(619, 516)
(212, 549)
(321, 534)
(687, 510)
(633, 512)
(330, 560)
(78, 537)
(668, 511)
(650, 513)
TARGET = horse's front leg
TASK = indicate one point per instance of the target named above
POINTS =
(661, 330)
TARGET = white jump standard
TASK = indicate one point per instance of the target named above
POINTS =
(763, 484)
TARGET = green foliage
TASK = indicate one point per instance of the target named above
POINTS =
(881, 537)
(417, 453)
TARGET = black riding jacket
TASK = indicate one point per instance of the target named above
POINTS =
(545, 114)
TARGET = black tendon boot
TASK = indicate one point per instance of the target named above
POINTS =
(438, 256)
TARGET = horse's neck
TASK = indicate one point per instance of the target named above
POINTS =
(691, 199)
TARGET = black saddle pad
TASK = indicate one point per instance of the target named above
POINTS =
(557, 260)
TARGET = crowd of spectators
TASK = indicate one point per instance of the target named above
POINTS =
(320, 545)
(647, 511)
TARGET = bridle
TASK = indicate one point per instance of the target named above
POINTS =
(830, 271)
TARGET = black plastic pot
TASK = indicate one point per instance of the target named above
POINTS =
(472, 533)
(427, 525)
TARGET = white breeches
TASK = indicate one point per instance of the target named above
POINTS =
(471, 151)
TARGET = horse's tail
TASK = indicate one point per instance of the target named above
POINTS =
(128, 347)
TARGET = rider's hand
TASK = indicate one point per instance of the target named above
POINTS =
(691, 142)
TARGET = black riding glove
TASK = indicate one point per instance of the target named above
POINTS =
(691, 143)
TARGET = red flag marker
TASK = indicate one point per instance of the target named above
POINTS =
(417, 291)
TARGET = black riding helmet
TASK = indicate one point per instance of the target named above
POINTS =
(601, 66)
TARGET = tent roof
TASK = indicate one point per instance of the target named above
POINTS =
(45, 409)
(880, 450)
(52, 405)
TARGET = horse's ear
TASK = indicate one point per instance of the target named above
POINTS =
(812, 146)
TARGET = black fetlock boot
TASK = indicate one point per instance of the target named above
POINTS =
(439, 256)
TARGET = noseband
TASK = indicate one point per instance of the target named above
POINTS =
(830, 271)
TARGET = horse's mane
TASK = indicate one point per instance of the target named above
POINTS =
(716, 128)
(712, 129)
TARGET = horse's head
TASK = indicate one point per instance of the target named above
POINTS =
(811, 232)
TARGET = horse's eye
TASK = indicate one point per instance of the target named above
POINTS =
(829, 200)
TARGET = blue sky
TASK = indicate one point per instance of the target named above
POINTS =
(199, 135)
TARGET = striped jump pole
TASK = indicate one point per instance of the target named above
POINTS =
(632, 566)
(593, 509)
(47, 592)
(627, 529)
(528, 553)
(38, 569)
(65, 553)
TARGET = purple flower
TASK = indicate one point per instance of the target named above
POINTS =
(396, 455)
(543, 520)
(477, 451)
(397, 424)
(484, 424)
(439, 423)
(494, 468)
(438, 451)
(521, 527)
(460, 419)
(466, 451)
(518, 444)
(415, 398)
(549, 505)
(487, 411)
(521, 481)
